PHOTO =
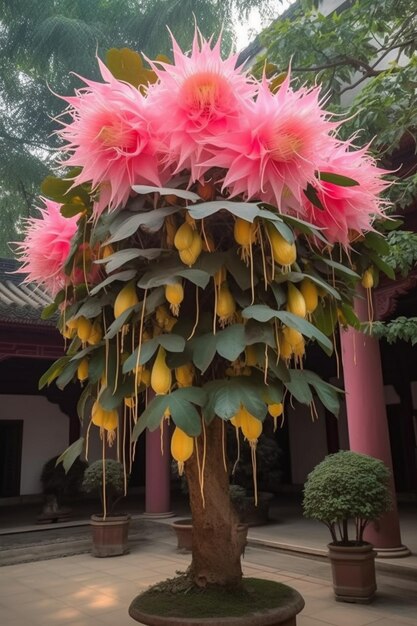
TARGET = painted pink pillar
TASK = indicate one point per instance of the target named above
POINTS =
(158, 474)
(367, 420)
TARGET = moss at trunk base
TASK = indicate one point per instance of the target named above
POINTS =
(178, 597)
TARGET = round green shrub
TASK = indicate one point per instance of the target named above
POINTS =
(347, 486)
(114, 481)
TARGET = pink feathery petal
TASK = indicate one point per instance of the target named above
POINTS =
(109, 137)
(347, 211)
(46, 246)
(196, 98)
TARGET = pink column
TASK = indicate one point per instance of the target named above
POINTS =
(157, 480)
(367, 421)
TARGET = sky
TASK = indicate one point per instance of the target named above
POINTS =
(247, 31)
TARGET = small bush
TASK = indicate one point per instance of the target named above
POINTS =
(58, 483)
(347, 486)
(114, 481)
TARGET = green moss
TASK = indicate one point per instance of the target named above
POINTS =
(176, 598)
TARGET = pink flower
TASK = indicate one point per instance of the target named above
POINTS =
(347, 211)
(109, 138)
(196, 98)
(273, 156)
(46, 247)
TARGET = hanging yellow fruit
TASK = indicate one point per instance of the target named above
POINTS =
(250, 425)
(129, 401)
(174, 293)
(292, 336)
(125, 299)
(182, 447)
(276, 409)
(220, 276)
(244, 232)
(368, 279)
(82, 370)
(84, 328)
(284, 253)
(106, 420)
(310, 295)
(184, 375)
(295, 301)
(161, 377)
(96, 334)
(251, 358)
(285, 349)
(106, 251)
(226, 305)
(184, 237)
(190, 255)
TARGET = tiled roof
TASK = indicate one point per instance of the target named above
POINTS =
(20, 303)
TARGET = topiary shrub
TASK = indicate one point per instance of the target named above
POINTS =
(114, 482)
(55, 481)
(347, 486)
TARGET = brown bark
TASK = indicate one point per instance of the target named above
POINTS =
(216, 544)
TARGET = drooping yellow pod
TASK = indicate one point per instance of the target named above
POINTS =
(251, 427)
(125, 299)
(310, 295)
(129, 401)
(226, 305)
(174, 293)
(285, 349)
(96, 334)
(68, 333)
(106, 420)
(220, 276)
(244, 232)
(185, 375)
(72, 324)
(284, 253)
(190, 255)
(161, 377)
(106, 251)
(368, 279)
(82, 370)
(84, 328)
(276, 409)
(292, 336)
(182, 447)
(184, 237)
(295, 301)
(299, 349)
(251, 358)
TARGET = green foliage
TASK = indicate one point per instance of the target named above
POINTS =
(402, 254)
(56, 481)
(401, 328)
(114, 481)
(347, 486)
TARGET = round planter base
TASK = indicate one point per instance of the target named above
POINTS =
(284, 614)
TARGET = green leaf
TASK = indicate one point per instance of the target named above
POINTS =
(238, 270)
(195, 276)
(151, 417)
(127, 224)
(171, 342)
(304, 227)
(246, 210)
(53, 372)
(377, 242)
(298, 387)
(337, 179)
(121, 320)
(67, 375)
(311, 194)
(255, 332)
(49, 311)
(154, 299)
(167, 191)
(110, 399)
(339, 268)
(196, 395)
(204, 349)
(227, 400)
(72, 453)
(90, 309)
(96, 365)
(328, 394)
(325, 317)
(350, 315)
(382, 265)
(116, 260)
(148, 349)
(273, 393)
(70, 210)
(124, 276)
(85, 404)
(184, 415)
(231, 341)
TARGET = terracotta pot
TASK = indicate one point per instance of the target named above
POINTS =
(110, 536)
(284, 615)
(183, 528)
(353, 569)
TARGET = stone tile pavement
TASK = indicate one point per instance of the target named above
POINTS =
(85, 591)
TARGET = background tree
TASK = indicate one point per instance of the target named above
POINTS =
(42, 41)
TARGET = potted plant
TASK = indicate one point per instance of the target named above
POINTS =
(58, 484)
(109, 529)
(347, 491)
(192, 270)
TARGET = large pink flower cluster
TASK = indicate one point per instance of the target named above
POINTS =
(45, 249)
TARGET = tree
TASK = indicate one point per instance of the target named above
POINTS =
(43, 41)
(364, 55)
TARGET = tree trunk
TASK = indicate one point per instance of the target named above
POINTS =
(216, 544)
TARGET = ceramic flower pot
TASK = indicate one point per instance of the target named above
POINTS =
(353, 570)
(110, 535)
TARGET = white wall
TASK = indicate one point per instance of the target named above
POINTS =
(45, 435)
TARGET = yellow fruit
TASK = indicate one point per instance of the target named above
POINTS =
(368, 279)
(251, 358)
(275, 410)
(285, 349)
(226, 305)
(190, 255)
(82, 370)
(283, 252)
(68, 333)
(84, 328)
(250, 425)
(310, 295)
(220, 276)
(174, 293)
(299, 349)
(125, 299)
(295, 301)
(184, 237)
(161, 377)
(244, 232)
(292, 336)
(185, 375)
(182, 447)
(96, 334)
(130, 401)
(72, 324)
(106, 251)
(235, 420)
(104, 419)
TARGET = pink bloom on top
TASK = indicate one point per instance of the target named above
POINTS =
(196, 98)
(46, 246)
(109, 138)
(273, 156)
(347, 211)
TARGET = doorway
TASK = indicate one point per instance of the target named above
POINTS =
(11, 437)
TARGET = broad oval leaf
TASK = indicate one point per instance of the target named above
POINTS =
(167, 191)
(122, 276)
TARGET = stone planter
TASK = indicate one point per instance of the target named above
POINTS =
(110, 536)
(353, 570)
(183, 529)
(283, 615)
